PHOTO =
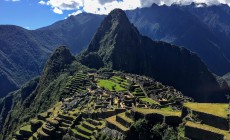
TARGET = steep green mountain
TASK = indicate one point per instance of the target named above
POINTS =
(23, 53)
(203, 30)
(118, 45)
(38, 94)
(65, 93)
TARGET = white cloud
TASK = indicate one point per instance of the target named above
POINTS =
(105, 6)
(42, 2)
(57, 11)
(75, 13)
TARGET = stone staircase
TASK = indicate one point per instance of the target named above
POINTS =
(87, 129)
(120, 122)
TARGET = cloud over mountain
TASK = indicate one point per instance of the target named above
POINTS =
(105, 6)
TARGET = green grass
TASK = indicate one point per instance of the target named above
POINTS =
(220, 110)
(26, 128)
(113, 121)
(109, 85)
(44, 114)
(138, 90)
(80, 134)
(158, 111)
(117, 79)
(35, 121)
(123, 116)
(90, 125)
(148, 100)
(208, 128)
(85, 129)
(167, 108)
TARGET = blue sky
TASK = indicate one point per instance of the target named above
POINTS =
(28, 14)
(33, 14)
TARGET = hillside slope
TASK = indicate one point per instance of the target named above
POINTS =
(190, 27)
(23, 53)
(118, 45)
(202, 30)
(38, 94)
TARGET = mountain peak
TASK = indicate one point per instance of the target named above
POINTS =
(114, 28)
(117, 17)
(57, 63)
(119, 46)
(118, 14)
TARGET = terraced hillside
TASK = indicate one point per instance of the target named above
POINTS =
(93, 104)
(207, 121)
(98, 106)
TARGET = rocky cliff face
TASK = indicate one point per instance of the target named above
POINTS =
(118, 45)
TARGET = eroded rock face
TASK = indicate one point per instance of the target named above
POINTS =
(119, 45)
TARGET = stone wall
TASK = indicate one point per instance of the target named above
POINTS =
(215, 121)
(200, 134)
(122, 121)
(173, 120)
(112, 126)
(154, 118)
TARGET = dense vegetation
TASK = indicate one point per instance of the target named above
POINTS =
(24, 52)
(39, 94)
(202, 30)
(111, 98)
(119, 45)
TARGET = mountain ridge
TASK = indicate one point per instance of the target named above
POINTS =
(77, 31)
(123, 48)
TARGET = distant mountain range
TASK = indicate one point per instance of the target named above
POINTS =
(24, 52)
(201, 29)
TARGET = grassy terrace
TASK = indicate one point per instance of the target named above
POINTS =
(89, 125)
(42, 133)
(166, 108)
(112, 120)
(26, 128)
(85, 129)
(148, 100)
(109, 85)
(220, 110)
(157, 111)
(208, 128)
(80, 134)
(123, 116)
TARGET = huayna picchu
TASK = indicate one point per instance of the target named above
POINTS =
(124, 86)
